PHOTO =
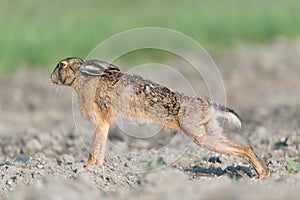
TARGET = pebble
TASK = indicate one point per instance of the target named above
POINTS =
(11, 150)
(45, 139)
(23, 159)
(66, 158)
(7, 163)
(9, 182)
(40, 166)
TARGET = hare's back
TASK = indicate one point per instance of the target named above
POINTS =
(141, 98)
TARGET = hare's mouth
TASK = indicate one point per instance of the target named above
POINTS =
(55, 79)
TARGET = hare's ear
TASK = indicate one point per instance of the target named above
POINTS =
(75, 63)
(96, 67)
(113, 67)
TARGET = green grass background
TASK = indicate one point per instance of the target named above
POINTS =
(38, 33)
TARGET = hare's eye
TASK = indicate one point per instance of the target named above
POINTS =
(62, 65)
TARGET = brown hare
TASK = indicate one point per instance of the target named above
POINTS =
(104, 92)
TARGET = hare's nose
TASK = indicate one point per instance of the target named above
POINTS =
(55, 74)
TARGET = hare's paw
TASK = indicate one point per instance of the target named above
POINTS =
(91, 161)
(262, 172)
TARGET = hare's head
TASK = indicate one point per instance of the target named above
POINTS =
(65, 71)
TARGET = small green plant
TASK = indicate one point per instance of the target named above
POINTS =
(197, 157)
(292, 164)
(29, 150)
(130, 173)
(234, 177)
(150, 165)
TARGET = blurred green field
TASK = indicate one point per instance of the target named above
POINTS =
(39, 33)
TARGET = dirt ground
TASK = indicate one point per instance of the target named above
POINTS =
(41, 153)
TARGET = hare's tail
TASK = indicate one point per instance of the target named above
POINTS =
(228, 114)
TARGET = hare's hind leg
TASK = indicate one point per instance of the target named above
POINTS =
(223, 144)
(97, 151)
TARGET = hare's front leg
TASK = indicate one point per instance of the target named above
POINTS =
(101, 128)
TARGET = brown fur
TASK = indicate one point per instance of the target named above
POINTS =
(105, 92)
